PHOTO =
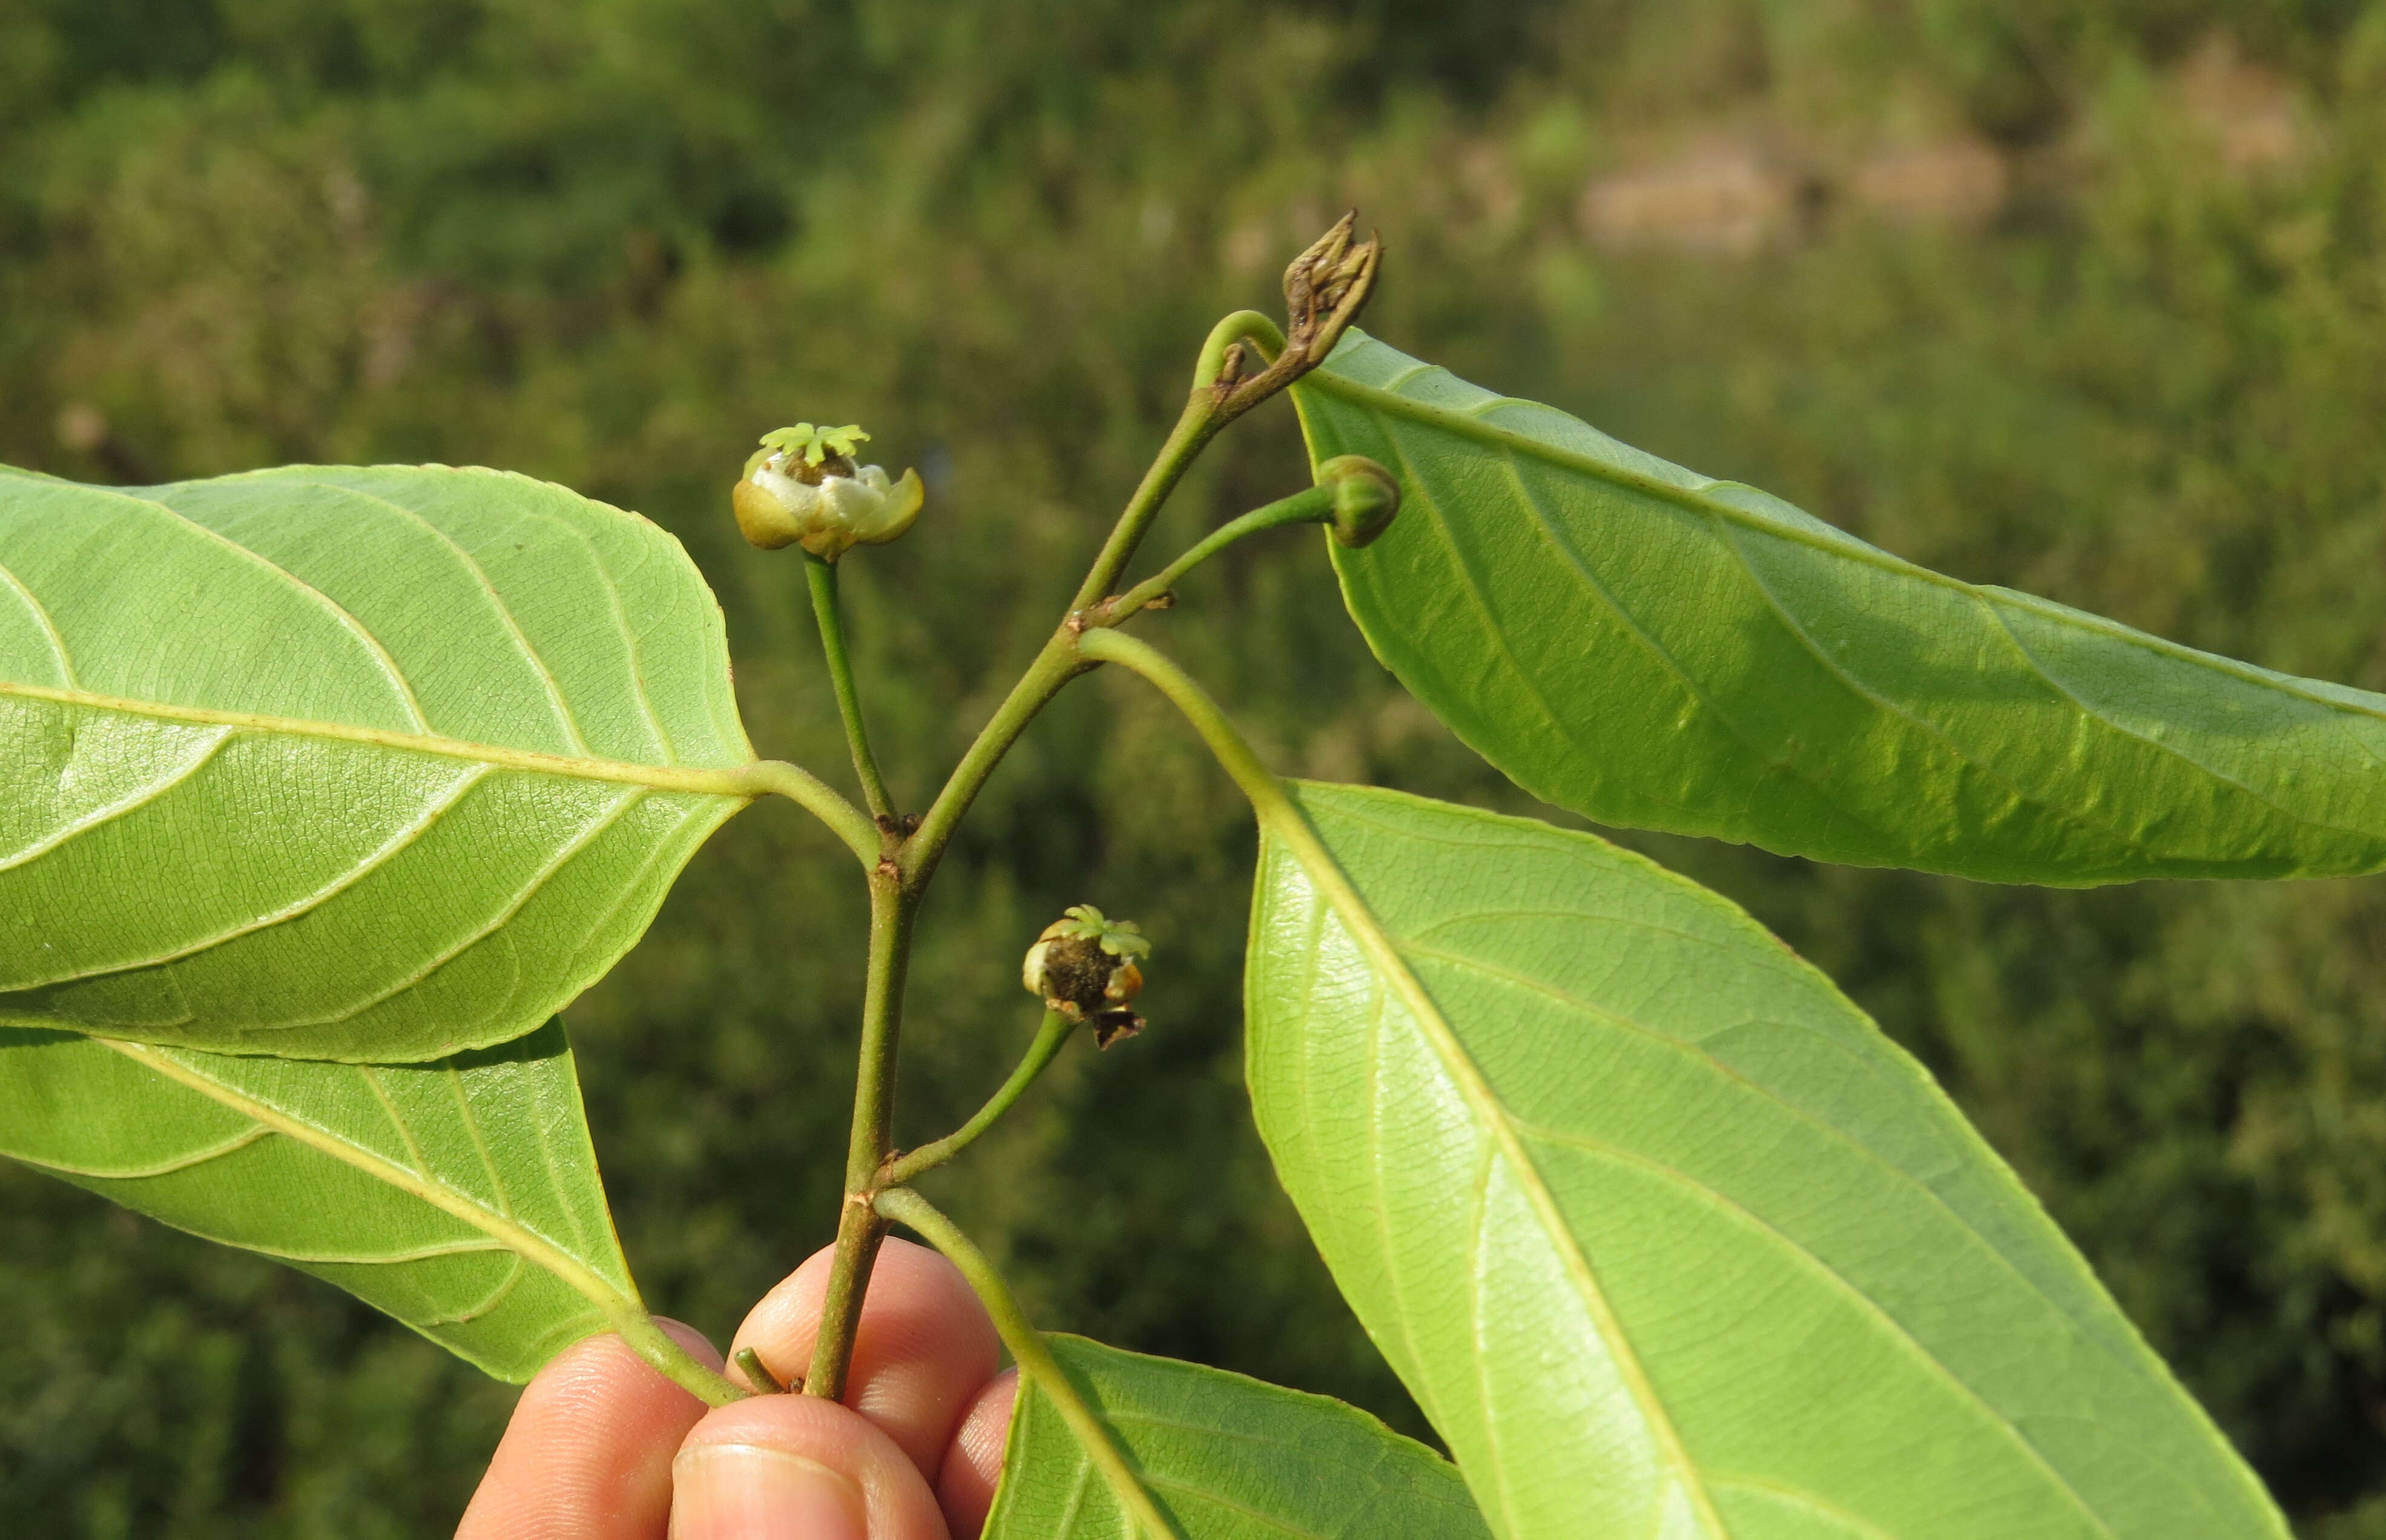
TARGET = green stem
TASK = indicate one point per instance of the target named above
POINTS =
(859, 1229)
(1313, 507)
(822, 575)
(1051, 1038)
(816, 796)
(1053, 667)
(1035, 1359)
(1058, 663)
(897, 879)
(663, 1354)
(1194, 428)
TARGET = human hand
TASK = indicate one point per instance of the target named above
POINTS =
(602, 1447)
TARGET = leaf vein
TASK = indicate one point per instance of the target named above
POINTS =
(165, 1168)
(1894, 1329)
(42, 616)
(400, 841)
(554, 690)
(384, 663)
(74, 828)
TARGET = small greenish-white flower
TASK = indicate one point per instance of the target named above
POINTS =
(803, 488)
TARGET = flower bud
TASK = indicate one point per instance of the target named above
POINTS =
(1083, 967)
(1365, 498)
(802, 487)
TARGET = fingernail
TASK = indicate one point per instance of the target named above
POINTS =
(744, 1492)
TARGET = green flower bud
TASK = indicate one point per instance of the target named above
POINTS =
(1365, 498)
(1083, 967)
(802, 487)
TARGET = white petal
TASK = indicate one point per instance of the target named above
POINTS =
(850, 502)
(798, 499)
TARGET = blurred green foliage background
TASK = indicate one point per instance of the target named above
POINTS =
(2083, 296)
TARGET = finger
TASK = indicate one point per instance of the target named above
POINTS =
(965, 1487)
(798, 1467)
(587, 1455)
(923, 1352)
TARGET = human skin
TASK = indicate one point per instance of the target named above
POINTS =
(602, 1447)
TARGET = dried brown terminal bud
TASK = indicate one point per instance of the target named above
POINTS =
(1326, 286)
(1324, 291)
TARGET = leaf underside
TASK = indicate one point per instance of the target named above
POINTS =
(366, 764)
(462, 1197)
(1651, 648)
(1227, 1457)
(1666, 1239)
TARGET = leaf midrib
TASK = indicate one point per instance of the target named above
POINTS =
(1847, 547)
(732, 783)
(1291, 825)
(510, 1234)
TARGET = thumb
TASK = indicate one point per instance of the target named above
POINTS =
(797, 1468)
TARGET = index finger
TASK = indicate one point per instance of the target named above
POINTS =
(923, 1350)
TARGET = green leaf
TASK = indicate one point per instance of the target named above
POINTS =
(351, 764)
(462, 1197)
(1227, 1457)
(1648, 647)
(1662, 1233)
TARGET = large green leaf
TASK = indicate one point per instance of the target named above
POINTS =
(1650, 647)
(354, 764)
(1226, 1457)
(1663, 1236)
(461, 1196)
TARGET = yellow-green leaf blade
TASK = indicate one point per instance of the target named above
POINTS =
(1664, 1236)
(462, 1197)
(1227, 1457)
(1650, 647)
(367, 764)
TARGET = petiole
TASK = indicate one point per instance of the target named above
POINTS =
(1035, 1360)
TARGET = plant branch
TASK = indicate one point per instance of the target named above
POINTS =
(817, 797)
(1323, 289)
(663, 1354)
(822, 577)
(1051, 1038)
(1053, 667)
(1033, 1356)
(859, 1229)
(1196, 426)
(1058, 663)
